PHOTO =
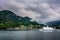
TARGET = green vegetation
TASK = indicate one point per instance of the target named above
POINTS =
(10, 20)
(55, 26)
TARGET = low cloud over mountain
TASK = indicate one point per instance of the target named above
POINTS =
(42, 11)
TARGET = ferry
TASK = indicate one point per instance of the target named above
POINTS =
(46, 29)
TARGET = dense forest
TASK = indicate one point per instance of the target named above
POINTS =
(54, 24)
(9, 19)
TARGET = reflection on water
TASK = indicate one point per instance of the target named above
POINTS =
(29, 35)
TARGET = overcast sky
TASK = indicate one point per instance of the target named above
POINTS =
(40, 10)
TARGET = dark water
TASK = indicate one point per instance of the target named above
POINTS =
(29, 35)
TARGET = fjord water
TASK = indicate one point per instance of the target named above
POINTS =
(29, 35)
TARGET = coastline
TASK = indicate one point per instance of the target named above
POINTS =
(23, 29)
(19, 29)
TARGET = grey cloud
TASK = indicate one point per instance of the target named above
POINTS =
(43, 10)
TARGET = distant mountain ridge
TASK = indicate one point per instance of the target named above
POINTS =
(55, 23)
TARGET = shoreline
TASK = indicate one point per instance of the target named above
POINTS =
(22, 29)
(19, 29)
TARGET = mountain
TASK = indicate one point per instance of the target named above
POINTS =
(54, 23)
(10, 19)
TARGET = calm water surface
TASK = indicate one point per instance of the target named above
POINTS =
(29, 35)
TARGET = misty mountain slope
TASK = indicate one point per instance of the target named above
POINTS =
(55, 23)
(10, 19)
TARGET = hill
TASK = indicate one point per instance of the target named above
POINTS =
(8, 19)
(55, 24)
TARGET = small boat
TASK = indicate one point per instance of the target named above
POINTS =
(46, 29)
